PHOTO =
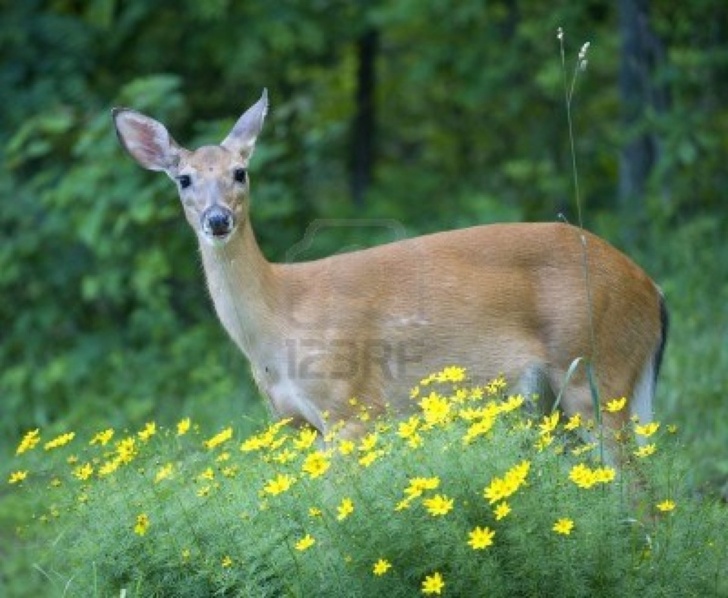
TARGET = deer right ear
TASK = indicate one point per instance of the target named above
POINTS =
(241, 139)
(146, 140)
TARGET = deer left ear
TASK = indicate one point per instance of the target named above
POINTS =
(241, 139)
(146, 140)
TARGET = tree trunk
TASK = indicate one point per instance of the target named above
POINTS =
(641, 55)
(362, 146)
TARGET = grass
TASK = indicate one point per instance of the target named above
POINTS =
(471, 496)
(689, 263)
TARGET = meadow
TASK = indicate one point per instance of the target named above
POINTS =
(474, 494)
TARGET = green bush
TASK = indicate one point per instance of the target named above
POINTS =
(470, 496)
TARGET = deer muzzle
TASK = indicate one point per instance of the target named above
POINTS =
(217, 223)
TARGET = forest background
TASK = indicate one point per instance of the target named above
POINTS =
(387, 118)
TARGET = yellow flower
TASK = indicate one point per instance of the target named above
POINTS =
(666, 506)
(368, 442)
(462, 395)
(306, 437)
(126, 449)
(59, 441)
(285, 456)
(433, 584)
(615, 405)
(418, 485)
(183, 426)
(346, 447)
(573, 423)
(647, 430)
(415, 442)
(501, 510)
(364, 414)
(305, 543)
(83, 472)
(519, 472)
(29, 441)
(150, 429)
(281, 483)
(163, 473)
(451, 374)
(480, 538)
(110, 466)
(407, 429)
(381, 567)
(207, 474)
(316, 464)
(498, 489)
(230, 472)
(219, 438)
(314, 512)
(369, 458)
(501, 488)
(585, 477)
(544, 441)
(479, 428)
(226, 562)
(345, 509)
(254, 443)
(142, 524)
(563, 526)
(645, 451)
(495, 386)
(17, 476)
(102, 437)
(438, 505)
(436, 409)
(549, 423)
(604, 475)
(580, 450)
(511, 404)
(268, 438)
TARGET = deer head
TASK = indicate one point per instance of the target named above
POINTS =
(212, 181)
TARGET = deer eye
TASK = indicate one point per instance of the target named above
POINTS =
(184, 181)
(239, 175)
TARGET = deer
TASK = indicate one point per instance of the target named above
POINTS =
(521, 300)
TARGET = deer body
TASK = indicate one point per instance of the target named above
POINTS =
(500, 299)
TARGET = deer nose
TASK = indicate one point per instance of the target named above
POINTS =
(218, 222)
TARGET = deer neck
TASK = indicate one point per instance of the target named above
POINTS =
(243, 289)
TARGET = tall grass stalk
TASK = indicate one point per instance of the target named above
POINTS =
(569, 89)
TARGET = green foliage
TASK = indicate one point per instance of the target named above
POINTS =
(469, 489)
(81, 324)
(694, 384)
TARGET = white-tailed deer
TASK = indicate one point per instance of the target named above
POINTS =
(510, 299)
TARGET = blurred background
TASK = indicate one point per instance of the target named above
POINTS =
(432, 114)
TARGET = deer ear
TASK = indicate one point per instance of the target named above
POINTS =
(241, 139)
(146, 140)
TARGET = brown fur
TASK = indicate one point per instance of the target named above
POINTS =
(501, 299)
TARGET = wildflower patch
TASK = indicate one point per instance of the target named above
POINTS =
(461, 497)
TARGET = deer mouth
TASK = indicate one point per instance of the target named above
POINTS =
(218, 223)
